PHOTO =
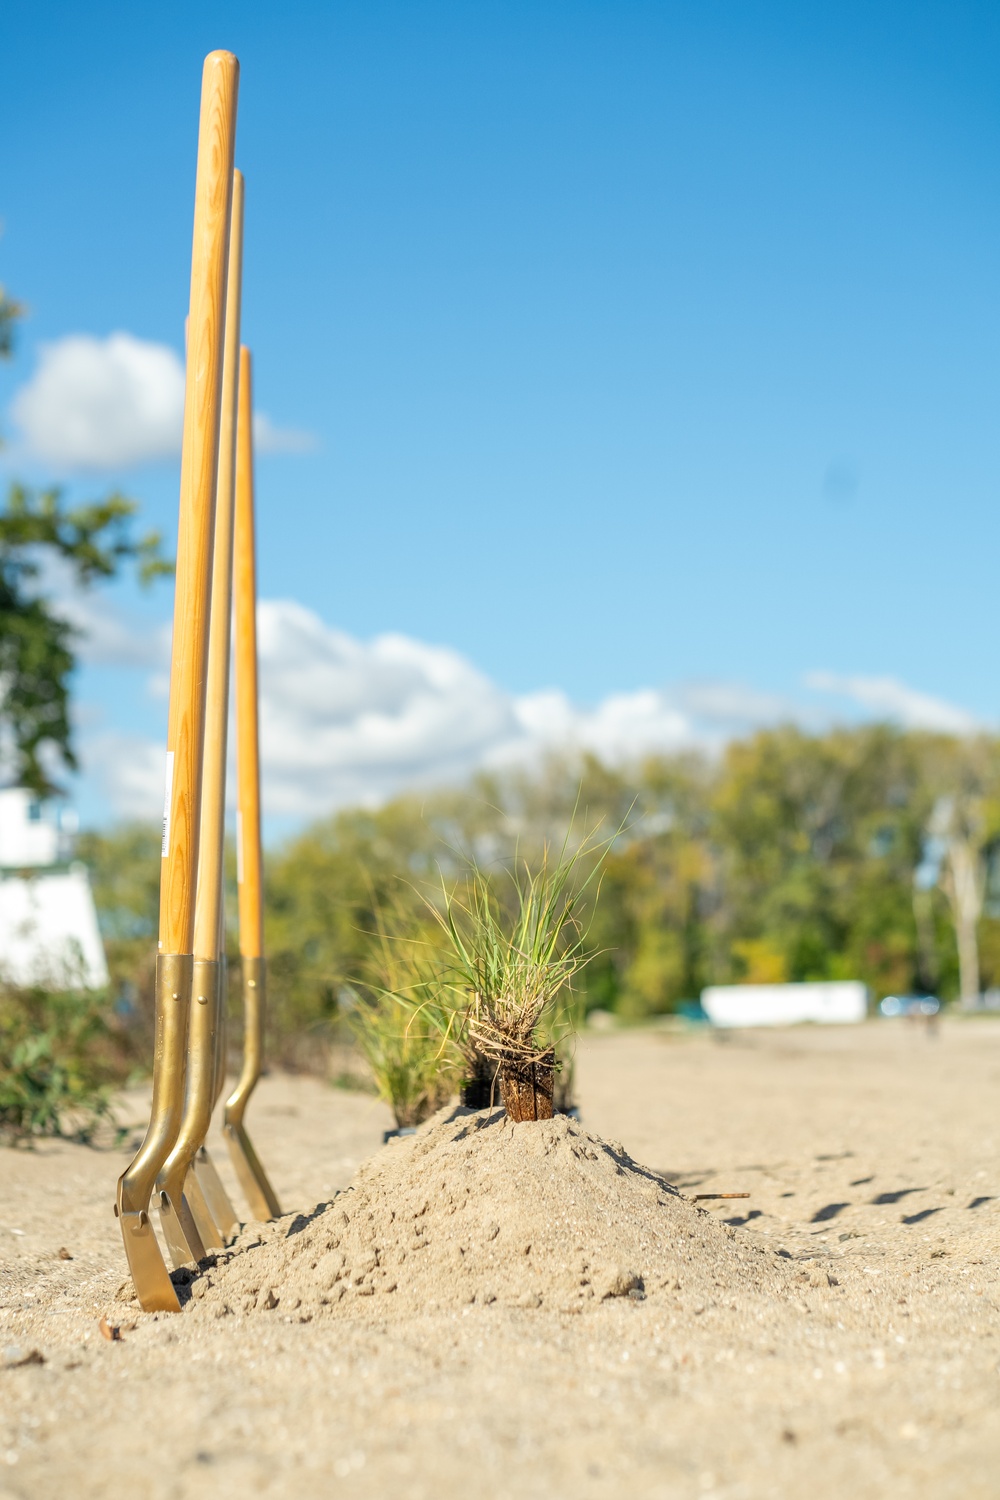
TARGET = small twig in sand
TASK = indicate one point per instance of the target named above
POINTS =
(701, 1197)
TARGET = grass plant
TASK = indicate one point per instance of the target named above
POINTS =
(60, 1061)
(568, 1016)
(395, 1022)
(515, 943)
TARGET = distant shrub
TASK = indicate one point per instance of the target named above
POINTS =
(410, 1071)
(60, 1060)
(414, 1066)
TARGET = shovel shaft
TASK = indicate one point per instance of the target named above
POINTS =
(209, 917)
(247, 728)
(252, 1178)
(198, 487)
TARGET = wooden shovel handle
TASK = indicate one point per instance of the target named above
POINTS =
(199, 464)
(208, 918)
(247, 741)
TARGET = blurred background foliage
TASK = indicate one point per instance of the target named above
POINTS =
(789, 857)
(61, 1058)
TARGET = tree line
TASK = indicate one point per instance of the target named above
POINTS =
(866, 853)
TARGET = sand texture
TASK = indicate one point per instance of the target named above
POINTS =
(474, 1210)
(538, 1310)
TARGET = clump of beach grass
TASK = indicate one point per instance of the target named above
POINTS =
(411, 1057)
(514, 942)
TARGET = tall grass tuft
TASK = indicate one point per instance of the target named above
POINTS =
(515, 944)
(411, 1057)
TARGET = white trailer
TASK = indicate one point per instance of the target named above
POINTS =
(840, 1002)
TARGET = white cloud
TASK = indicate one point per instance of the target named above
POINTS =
(887, 697)
(734, 706)
(349, 722)
(268, 438)
(107, 635)
(623, 726)
(102, 403)
(111, 638)
(130, 772)
(346, 722)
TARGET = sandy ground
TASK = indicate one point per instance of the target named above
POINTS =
(872, 1157)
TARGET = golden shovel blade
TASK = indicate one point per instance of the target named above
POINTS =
(257, 1190)
(181, 1232)
(135, 1186)
(187, 1219)
(216, 1198)
(252, 1178)
(150, 1277)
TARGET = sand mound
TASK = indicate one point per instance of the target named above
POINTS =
(475, 1209)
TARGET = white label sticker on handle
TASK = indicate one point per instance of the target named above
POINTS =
(165, 846)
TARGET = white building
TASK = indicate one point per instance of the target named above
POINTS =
(48, 922)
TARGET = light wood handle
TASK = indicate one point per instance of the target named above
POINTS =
(208, 916)
(199, 463)
(247, 742)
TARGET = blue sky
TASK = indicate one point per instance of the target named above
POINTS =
(642, 348)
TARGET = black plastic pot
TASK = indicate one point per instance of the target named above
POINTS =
(480, 1089)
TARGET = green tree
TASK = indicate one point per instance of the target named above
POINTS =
(37, 645)
(963, 841)
(92, 542)
(324, 894)
(653, 914)
(793, 857)
(819, 838)
(10, 313)
(124, 865)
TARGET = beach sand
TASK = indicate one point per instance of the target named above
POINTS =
(836, 1333)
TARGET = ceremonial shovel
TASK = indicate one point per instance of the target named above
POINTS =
(252, 1177)
(195, 1210)
(186, 727)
